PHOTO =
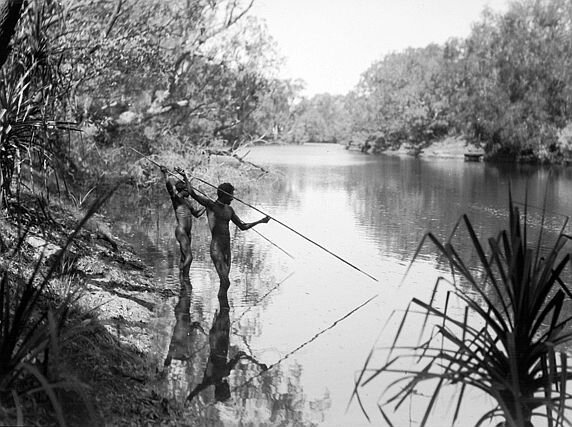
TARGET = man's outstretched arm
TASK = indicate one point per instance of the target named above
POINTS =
(246, 225)
(205, 201)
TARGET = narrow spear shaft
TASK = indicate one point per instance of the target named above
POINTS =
(274, 219)
(176, 176)
(293, 230)
(272, 243)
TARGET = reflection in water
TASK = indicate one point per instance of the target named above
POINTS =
(261, 395)
(218, 366)
(372, 211)
(181, 346)
(184, 347)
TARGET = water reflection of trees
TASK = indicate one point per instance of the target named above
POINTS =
(284, 190)
(279, 400)
(402, 199)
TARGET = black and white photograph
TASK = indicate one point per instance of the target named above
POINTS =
(285, 213)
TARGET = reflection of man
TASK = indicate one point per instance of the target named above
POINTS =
(219, 214)
(181, 341)
(218, 368)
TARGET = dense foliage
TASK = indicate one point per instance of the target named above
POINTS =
(178, 77)
(166, 77)
(505, 88)
(198, 76)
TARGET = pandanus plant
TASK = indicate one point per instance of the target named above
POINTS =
(33, 95)
(507, 340)
(34, 324)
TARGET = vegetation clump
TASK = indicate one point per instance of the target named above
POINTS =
(508, 339)
(67, 357)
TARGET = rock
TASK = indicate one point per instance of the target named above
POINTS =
(42, 247)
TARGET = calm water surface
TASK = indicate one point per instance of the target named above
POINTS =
(292, 303)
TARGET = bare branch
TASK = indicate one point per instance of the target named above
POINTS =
(113, 18)
(110, 24)
(240, 159)
(165, 108)
(233, 20)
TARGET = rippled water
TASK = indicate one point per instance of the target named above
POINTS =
(291, 302)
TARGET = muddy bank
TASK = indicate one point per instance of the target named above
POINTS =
(107, 362)
(449, 148)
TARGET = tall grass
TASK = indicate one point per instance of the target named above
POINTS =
(33, 324)
(33, 90)
(508, 341)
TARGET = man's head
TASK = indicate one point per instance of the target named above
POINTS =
(222, 391)
(225, 192)
(181, 187)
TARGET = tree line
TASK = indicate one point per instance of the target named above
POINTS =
(506, 88)
(82, 80)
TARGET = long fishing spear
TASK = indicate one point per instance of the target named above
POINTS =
(291, 229)
(279, 222)
(176, 176)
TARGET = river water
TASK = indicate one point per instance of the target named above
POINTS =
(298, 308)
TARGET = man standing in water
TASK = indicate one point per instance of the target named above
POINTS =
(219, 214)
(183, 211)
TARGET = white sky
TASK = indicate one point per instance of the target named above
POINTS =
(329, 43)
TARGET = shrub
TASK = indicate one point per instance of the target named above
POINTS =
(507, 342)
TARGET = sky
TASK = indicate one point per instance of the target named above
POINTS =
(329, 43)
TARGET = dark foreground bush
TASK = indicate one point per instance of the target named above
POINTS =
(506, 341)
(34, 311)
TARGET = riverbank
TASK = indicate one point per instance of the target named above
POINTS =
(448, 148)
(109, 358)
(102, 373)
(105, 368)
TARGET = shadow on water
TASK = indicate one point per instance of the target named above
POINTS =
(187, 341)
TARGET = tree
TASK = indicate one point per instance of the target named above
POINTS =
(32, 95)
(9, 15)
(516, 92)
(402, 98)
(276, 114)
(177, 76)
